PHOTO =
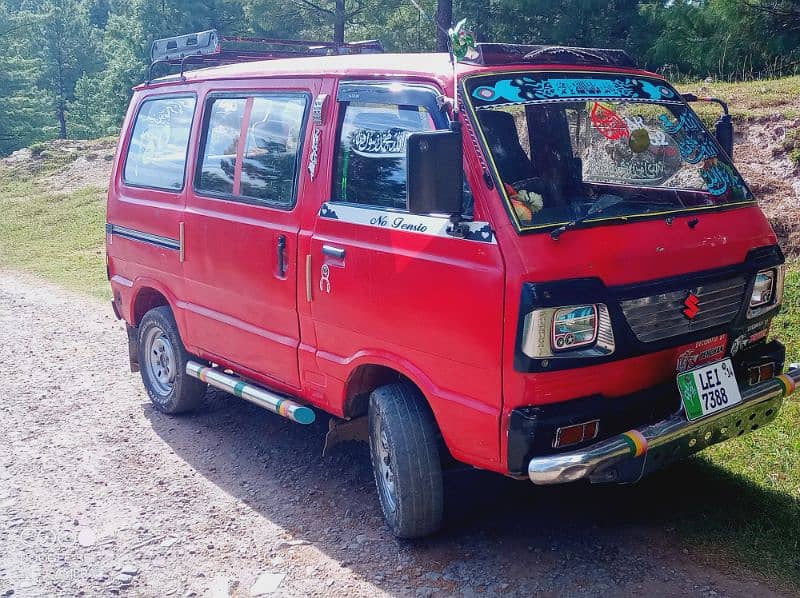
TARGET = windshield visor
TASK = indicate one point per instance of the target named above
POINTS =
(569, 146)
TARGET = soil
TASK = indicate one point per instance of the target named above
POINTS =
(102, 495)
(772, 176)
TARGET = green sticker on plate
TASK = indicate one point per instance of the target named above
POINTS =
(691, 398)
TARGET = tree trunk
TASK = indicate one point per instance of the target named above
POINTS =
(338, 24)
(444, 18)
(62, 121)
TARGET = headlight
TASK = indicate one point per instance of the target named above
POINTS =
(763, 288)
(570, 331)
(574, 327)
(767, 291)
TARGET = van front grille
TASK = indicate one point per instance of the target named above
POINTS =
(661, 316)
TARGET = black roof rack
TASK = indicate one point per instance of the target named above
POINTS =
(210, 47)
(493, 54)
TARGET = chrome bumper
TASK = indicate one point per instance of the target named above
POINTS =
(628, 457)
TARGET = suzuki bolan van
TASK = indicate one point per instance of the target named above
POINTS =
(536, 261)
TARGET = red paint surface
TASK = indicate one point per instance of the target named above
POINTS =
(440, 311)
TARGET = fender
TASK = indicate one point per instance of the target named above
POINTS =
(468, 426)
(141, 283)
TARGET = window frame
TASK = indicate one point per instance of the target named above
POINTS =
(203, 138)
(381, 92)
(152, 98)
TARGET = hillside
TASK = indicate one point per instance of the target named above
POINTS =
(767, 145)
(767, 151)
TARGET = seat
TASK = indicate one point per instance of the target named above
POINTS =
(501, 134)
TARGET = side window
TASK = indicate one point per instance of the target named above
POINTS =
(256, 160)
(272, 151)
(157, 150)
(218, 163)
(370, 163)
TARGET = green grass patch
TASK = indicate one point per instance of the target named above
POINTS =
(791, 145)
(59, 236)
(750, 99)
(741, 499)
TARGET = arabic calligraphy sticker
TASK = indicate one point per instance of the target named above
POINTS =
(608, 123)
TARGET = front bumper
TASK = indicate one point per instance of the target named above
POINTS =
(628, 457)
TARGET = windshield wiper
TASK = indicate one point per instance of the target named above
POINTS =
(601, 205)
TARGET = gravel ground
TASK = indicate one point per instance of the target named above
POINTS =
(100, 494)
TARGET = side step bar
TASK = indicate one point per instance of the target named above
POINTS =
(250, 392)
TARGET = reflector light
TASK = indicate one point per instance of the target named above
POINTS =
(569, 435)
(760, 373)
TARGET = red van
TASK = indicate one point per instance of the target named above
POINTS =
(537, 262)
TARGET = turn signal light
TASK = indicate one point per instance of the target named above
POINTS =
(760, 373)
(569, 435)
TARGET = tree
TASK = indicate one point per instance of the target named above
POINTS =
(23, 107)
(444, 20)
(67, 49)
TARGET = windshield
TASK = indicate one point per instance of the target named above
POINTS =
(576, 146)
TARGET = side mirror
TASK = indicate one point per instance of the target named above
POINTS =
(723, 131)
(434, 172)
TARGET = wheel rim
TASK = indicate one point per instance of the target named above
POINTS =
(385, 468)
(161, 363)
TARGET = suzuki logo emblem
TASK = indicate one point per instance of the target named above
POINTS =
(692, 303)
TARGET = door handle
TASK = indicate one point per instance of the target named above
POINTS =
(282, 256)
(337, 252)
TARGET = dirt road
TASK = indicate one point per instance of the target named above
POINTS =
(100, 494)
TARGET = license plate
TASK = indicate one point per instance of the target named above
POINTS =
(709, 389)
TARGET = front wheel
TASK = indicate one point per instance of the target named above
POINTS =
(404, 447)
(162, 361)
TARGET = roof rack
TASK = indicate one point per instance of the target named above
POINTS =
(493, 54)
(210, 47)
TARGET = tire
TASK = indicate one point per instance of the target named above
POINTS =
(162, 361)
(404, 448)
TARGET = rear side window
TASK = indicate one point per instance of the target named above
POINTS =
(371, 153)
(218, 167)
(251, 148)
(157, 150)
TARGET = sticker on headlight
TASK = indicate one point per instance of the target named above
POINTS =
(574, 327)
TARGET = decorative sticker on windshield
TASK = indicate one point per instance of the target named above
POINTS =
(528, 88)
(719, 178)
(608, 123)
(696, 146)
(693, 142)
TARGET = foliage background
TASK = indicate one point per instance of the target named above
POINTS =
(67, 66)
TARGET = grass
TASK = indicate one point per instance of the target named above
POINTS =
(791, 145)
(739, 500)
(756, 478)
(59, 236)
(750, 99)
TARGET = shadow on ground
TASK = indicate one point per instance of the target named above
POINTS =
(500, 534)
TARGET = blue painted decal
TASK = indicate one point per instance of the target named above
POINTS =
(693, 142)
(529, 88)
(719, 177)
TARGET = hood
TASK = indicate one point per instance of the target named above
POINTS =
(644, 250)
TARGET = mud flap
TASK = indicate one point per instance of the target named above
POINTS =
(340, 430)
(133, 347)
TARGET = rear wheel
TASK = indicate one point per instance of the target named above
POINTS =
(404, 447)
(162, 361)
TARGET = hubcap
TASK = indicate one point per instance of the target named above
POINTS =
(385, 468)
(161, 363)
